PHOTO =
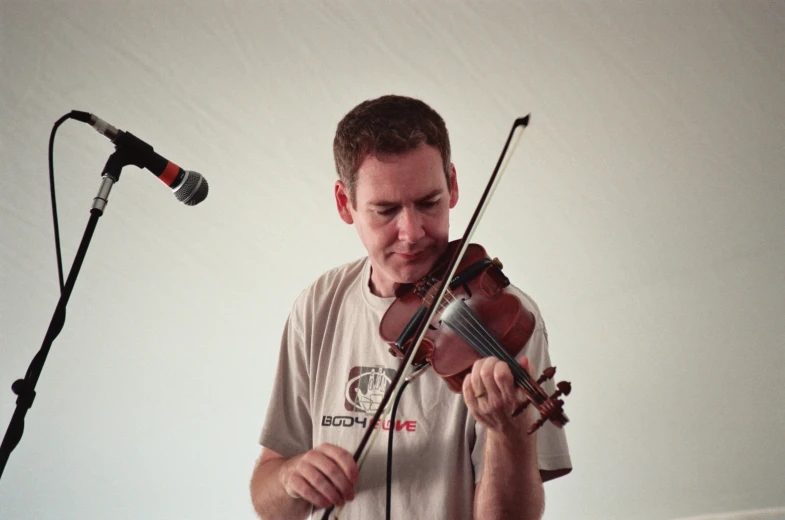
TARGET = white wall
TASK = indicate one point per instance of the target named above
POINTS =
(643, 210)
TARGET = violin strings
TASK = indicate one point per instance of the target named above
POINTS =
(519, 374)
(481, 343)
(478, 336)
(488, 345)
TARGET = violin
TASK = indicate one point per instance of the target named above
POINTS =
(477, 318)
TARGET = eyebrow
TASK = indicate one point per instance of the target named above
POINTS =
(387, 203)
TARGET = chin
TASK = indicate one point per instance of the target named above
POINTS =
(408, 278)
(409, 271)
(412, 273)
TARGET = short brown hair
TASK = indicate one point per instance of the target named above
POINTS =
(387, 125)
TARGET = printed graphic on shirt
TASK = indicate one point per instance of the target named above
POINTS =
(365, 388)
(347, 421)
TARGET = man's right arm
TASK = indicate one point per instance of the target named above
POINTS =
(268, 494)
(286, 488)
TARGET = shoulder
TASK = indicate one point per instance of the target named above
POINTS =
(337, 279)
(330, 286)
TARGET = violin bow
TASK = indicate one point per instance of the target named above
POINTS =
(405, 367)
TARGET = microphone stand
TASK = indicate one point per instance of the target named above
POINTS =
(25, 388)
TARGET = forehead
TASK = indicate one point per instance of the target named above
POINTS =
(401, 177)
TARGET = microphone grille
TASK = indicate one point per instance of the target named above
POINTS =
(193, 189)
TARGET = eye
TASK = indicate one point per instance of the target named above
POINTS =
(429, 204)
(386, 212)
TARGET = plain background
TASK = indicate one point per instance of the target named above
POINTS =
(643, 210)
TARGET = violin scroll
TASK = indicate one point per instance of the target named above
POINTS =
(553, 409)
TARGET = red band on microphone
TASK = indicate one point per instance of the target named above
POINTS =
(169, 174)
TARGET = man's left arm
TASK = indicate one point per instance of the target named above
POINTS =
(510, 485)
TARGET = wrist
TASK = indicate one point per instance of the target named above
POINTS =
(284, 473)
(515, 429)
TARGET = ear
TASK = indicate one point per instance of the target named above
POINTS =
(342, 202)
(453, 186)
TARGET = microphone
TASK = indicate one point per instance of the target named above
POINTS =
(189, 187)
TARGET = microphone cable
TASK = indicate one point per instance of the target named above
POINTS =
(85, 118)
(390, 447)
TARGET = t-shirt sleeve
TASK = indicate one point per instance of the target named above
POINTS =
(288, 428)
(552, 450)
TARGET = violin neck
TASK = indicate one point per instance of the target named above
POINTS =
(525, 381)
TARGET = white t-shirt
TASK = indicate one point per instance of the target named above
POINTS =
(332, 372)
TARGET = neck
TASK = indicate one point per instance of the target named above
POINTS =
(380, 290)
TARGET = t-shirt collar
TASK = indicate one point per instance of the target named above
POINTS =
(377, 303)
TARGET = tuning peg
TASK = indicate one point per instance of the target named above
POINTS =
(564, 388)
(547, 374)
(536, 426)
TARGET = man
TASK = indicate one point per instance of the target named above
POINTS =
(457, 455)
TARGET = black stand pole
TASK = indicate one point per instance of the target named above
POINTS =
(25, 388)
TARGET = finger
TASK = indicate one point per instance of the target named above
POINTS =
(469, 395)
(502, 376)
(504, 380)
(321, 482)
(487, 371)
(522, 396)
(478, 387)
(526, 365)
(343, 459)
(299, 487)
(333, 474)
(345, 462)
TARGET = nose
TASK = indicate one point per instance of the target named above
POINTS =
(410, 225)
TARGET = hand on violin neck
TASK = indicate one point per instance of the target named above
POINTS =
(492, 396)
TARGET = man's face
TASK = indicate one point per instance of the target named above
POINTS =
(401, 214)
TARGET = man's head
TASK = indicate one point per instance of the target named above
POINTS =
(396, 186)
(389, 125)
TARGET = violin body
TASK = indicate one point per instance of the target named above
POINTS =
(502, 314)
(476, 319)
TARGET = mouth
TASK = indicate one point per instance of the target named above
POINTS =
(411, 257)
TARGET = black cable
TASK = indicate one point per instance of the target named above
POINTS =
(85, 118)
(38, 357)
(390, 445)
(54, 199)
